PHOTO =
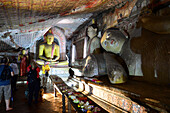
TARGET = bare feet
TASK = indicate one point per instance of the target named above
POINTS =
(9, 109)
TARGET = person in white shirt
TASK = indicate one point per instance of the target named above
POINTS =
(14, 66)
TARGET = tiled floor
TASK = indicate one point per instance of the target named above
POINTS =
(50, 104)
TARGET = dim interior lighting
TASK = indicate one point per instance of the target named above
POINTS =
(44, 96)
(21, 82)
(47, 96)
(66, 21)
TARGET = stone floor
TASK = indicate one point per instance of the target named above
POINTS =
(50, 104)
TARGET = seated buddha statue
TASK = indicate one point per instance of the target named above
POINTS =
(48, 51)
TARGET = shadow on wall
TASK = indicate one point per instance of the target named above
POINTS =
(154, 49)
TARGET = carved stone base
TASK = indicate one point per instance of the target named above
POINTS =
(60, 71)
(129, 97)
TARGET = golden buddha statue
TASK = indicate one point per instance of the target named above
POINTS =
(48, 51)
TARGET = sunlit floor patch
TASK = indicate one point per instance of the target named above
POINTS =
(21, 82)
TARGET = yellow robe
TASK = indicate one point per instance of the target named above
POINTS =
(45, 68)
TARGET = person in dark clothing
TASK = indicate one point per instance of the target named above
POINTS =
(14, 66)
(33, 82)
(5, 85)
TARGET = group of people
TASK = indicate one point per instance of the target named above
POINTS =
(8, 78)
(7, 86)
(33, 81)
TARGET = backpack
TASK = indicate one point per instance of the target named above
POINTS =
(6, 73)
(32, 76)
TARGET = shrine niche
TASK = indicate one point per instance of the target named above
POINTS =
(51, 48)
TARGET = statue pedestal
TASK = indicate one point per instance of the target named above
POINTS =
(59, 68)
(62, 72)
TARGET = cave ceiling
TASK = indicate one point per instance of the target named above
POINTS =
(24, 18)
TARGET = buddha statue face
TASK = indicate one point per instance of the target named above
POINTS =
(91, 32)
(49, 39)
(113, 40)
(23, 52)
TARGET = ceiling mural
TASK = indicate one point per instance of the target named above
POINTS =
(121, 11)
(30, 19)
(16, 38)
(34, 15)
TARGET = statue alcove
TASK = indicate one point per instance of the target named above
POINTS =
(42, 40)
(59, 39)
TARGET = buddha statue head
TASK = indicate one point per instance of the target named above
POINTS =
(113, 40)
(49, 38)
(23, 51)
(92, 31)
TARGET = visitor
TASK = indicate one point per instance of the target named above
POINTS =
(5, 84)
(33, 82)
(14, 66)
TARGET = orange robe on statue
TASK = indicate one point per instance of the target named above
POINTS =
(23, 66)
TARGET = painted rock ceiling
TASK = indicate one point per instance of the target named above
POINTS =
(27, 17)
(33, 15)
